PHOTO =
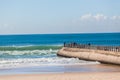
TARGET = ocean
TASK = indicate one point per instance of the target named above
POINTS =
(36, 50)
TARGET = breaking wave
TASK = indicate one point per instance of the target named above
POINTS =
(22, 56)
(28, 51)
(15, 63)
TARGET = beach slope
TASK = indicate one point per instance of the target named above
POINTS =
(65, 76)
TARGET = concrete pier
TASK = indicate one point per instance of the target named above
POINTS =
(96, 53)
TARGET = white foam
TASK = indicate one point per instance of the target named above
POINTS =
(17, 52)
(15, 63)
(6, 63)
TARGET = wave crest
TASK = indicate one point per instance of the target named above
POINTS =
(27, 54)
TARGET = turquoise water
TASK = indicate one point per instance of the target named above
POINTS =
(40, 49)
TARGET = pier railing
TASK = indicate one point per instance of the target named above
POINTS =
(89, 46)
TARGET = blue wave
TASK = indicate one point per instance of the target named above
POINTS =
(22, 48)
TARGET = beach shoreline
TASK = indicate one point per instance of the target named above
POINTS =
(34, 57)
(57, 69)
(65, 76)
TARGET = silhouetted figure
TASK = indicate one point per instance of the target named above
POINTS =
(89, 44)
(64, 44)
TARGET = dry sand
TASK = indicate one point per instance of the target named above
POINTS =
(65, 76)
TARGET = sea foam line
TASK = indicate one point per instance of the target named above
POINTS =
(16, 52)
(16, 63)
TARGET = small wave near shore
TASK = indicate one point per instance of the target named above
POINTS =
(14, 57)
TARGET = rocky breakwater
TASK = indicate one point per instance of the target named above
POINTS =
(95, 54)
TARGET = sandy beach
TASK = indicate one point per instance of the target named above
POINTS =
(96, 72)
(65, 76)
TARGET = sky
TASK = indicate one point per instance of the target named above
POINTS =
(59, 16)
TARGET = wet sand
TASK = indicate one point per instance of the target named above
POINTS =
(65, 76)
(45, 69)
(68, 72)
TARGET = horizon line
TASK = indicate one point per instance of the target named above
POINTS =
(59, 33)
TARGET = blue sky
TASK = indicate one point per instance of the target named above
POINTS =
(59, 16)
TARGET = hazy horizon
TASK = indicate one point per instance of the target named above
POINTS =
(59, 33)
